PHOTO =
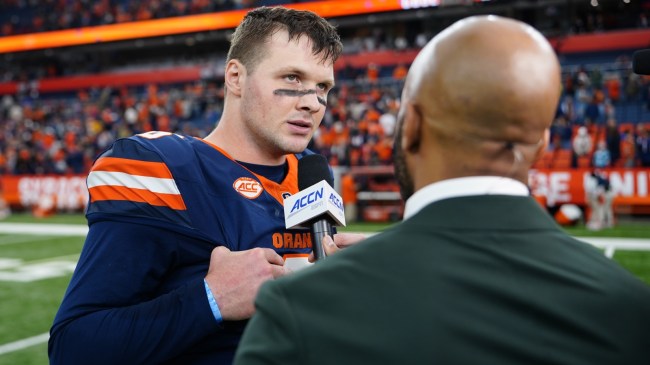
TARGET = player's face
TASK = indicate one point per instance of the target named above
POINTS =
(284, 98)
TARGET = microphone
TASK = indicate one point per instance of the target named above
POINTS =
(641, 62)
(317, 205)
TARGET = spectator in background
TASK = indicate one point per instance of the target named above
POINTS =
(566, 108)
(349, 195)
(400, 43)
(628, 150)
(632, 86)
(399, 72)
(592, 111)
(613, 141)
(583, 96)
(372, 73)
(387, 122)
(25, 163)
(3, 162)
(599, 196)
(643, 145)
(561, 134)
(596, 78)
(75, 160)
(601, 157)
(613, 86)
(582, 145)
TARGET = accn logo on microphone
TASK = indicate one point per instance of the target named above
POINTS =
(248, 187)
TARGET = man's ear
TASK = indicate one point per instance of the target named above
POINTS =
(542, 145)
(412, 128)
(235, 74)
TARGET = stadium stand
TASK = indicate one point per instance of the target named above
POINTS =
(61, 107)
(19, 16)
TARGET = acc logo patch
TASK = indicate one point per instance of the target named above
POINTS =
(248, 187)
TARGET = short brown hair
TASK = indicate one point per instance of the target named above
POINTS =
(248, 41)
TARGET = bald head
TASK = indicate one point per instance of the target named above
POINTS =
(484, 91)
(497, 78)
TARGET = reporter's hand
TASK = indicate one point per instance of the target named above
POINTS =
(235, 278)
(341, 240)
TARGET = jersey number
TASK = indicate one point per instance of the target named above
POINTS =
(154, 134)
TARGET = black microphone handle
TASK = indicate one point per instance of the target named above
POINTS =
(320, 228)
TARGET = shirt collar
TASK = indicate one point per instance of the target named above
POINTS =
(463, 186)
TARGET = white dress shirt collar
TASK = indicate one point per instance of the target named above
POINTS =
(463, 186)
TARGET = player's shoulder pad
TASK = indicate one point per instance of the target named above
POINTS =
(133, 176)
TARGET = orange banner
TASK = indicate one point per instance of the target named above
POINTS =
(622, 39)
(181, 74)
(559, 186)
(191, 24)
(158, 76)
(555, 187)
(67, 192)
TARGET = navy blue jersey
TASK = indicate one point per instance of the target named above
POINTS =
(159, 204)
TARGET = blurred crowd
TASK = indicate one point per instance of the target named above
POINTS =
(63, 133)
(32, 16)
(590, 121)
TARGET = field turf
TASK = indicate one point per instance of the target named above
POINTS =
(28, 302)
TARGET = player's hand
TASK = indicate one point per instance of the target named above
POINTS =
(235, 278)
(340, 241)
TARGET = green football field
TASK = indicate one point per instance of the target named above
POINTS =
(35, 270)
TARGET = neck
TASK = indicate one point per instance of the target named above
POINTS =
(239, 149)
(488, 160)
(238, 143)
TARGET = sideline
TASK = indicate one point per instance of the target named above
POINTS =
(45, 229)
(610, 245)
(24, 343)
(37, 229)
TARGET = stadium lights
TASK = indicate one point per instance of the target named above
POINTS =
(194, 23)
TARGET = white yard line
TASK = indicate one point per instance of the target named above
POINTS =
(36, 229)
(10, 240)
(24, 343)
(609, 244)
(73, 257)
(45, 229)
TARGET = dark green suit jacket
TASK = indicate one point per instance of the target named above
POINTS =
(471, 280)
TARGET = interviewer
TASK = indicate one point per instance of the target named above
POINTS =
(477, 273)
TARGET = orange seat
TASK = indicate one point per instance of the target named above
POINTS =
(562, 159)
(584, 161)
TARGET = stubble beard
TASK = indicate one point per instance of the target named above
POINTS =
(404, 178)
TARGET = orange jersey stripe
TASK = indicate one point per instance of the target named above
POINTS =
(133, 167)
(289, 185)
(112, 192)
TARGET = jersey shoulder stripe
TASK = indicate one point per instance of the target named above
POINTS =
(132, 179)
(133, 167)
(141, 181)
